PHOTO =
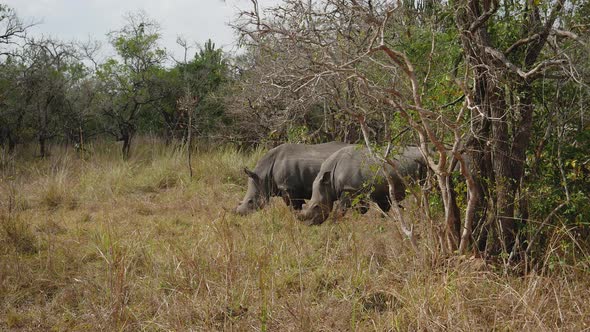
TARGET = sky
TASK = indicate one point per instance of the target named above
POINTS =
(81, 20)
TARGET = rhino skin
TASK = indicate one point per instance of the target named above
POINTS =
(287, 170)
(351, 172)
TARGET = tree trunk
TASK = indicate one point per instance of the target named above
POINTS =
(490, 146)
(8, 140)
(127, 132)
(42, 146)
(11, 144)
(126, 146)
(502, 168)
(189, 141)
(450, 208)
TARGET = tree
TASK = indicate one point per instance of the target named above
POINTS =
(202, 78)
(12, 28)
(505, 68)
(36, 79)
(12, 105)
(81, 120)
(51, 67)
(126, 83)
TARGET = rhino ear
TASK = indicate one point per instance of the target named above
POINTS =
(250, 173)
(326, 177)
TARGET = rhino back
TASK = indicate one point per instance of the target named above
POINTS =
(411, 163)
(293, 167)
(351, 168)
(296, 165)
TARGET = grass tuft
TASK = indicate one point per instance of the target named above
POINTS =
(16, 233)
(58, 190)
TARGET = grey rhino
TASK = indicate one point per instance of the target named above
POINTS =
(287, 170)
(351, 172)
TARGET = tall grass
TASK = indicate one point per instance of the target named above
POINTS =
(103, 243)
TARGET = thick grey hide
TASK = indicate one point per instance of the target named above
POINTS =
(287, 171)
(351, 172)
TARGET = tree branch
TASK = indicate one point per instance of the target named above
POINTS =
(536, 71)
(484, 17)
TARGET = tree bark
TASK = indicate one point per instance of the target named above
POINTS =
(42, 146)
(11, 144)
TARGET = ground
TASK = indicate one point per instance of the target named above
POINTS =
(94, 242)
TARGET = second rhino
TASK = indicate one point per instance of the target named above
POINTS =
(351, 172)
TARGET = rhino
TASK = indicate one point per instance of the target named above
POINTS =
(351, 172)
(288, 171)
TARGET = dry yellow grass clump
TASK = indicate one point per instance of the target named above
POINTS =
(106, 244)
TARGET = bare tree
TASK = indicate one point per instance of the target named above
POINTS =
(12, 29)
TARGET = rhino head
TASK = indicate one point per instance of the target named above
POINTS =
(317, 210)
(255, 197)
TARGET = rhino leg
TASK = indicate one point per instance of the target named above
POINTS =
(345, 202)
(340, 209)
(343, 205)
(384, 203)
(297, 204)
(286, 199)
(362, 207)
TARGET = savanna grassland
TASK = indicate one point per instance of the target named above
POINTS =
(102, 243)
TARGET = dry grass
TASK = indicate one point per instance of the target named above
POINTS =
(107, 244)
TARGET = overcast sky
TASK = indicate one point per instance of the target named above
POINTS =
(195, 20)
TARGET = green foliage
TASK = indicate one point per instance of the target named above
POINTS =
(38, 102)
(203, 76)
(297, 134)
(548, 191)
(129, 84)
